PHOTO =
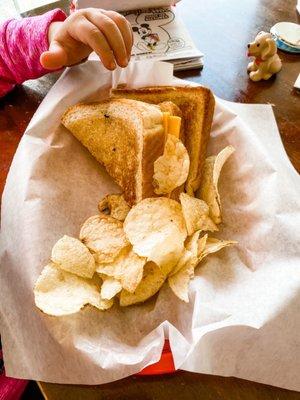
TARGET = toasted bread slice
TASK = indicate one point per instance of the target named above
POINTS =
(197, 107)
(124, 135)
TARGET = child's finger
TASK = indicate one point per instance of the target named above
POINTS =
(89, 34)
(125, 29)
(55, 58)
(112, 34)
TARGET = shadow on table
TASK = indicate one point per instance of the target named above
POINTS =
(32, 392)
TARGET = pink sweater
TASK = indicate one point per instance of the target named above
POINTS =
(21, 44)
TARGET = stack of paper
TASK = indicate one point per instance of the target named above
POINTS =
(36, 7)
(159, 33)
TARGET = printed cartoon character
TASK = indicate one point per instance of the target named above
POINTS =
(149, 38)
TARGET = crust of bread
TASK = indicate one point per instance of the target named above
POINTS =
(123, 135)
(197, 108)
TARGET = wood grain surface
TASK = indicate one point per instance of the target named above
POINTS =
(221, 29)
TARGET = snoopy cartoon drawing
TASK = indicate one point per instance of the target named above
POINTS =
(150, 39)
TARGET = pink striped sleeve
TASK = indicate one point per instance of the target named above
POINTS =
(21, 44)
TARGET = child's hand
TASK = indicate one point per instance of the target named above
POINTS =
(107, 33)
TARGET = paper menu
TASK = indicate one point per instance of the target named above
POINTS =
(242, 319)
(124, 5)
(160, 34)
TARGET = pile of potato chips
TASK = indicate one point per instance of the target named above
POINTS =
(129, 253)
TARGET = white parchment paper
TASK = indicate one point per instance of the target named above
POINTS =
(243, 317)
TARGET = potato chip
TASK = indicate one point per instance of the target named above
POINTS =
(201, 244)
(179, 283)
(190, 253)
(110, 287)
(58, 292)
(153, 279)
(127, 268)
(73, 256)
(213, 245)
(184, 270)
(196, 214)
(183, 260)
(172, 168)
(209, 185)
(156, 229)
(116, 206)
(104, 236)
(168, 251)
(191, 243)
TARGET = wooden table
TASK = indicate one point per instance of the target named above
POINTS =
(221, 29)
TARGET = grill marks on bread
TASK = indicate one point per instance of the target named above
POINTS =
(117, 133)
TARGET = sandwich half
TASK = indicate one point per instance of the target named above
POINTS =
(197, 107)
(125, 136)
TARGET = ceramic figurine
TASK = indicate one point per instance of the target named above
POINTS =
(266, 60)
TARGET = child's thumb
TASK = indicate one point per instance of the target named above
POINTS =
(55, 57)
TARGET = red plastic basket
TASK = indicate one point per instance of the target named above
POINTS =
(164, 366)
